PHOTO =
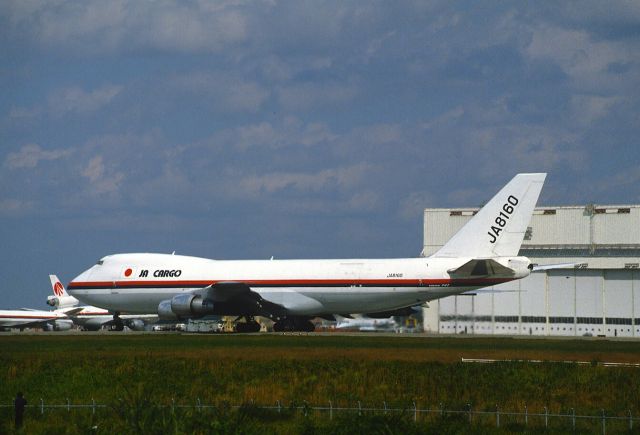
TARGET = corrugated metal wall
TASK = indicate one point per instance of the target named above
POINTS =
(603, 299)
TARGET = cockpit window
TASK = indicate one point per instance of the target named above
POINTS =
(100, 262)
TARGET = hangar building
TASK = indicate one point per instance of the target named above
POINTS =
(600, 296)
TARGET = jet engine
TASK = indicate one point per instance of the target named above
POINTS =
(59, 325)
(135, 324)
(61, 301)
(184, 305)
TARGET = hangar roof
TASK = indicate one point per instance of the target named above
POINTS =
(602, 236)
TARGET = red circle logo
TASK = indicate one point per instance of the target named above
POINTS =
(57, 289)
(128, 272)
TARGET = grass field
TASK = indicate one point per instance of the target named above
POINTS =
(134, 374)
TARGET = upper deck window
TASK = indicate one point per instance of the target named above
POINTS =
(100, 262)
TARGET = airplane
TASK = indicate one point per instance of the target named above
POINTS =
(484, 252)
(367, 324)
(56, 320)
(93, 318)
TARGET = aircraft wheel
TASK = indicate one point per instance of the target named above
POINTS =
(253, 326)
(308, 326)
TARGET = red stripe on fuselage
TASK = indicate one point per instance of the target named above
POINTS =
(297, 283)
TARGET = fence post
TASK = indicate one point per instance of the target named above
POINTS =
(469, 408)
(573, 418)
(199, 405)
(385, 406)
(41, 406)
(279, 406)
(604, 427)
(441, 410)
(68, 405)
(359, 408)
(330, 410)
(497, 416)
(173, 405)
(630, 421)
(415, 412)
(526, 415)
(93, 404)
(546, 417)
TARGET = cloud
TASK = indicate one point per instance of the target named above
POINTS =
(223, 91)
(289, 132)
(31, 155)
(102, 181)
(69, 100)
(583, 59)
(589, 108)
(328, 179)
(76, 100)
(124, 25)
(15, 207)
(312, 95)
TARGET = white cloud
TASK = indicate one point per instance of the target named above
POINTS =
(312, 95)
(102, 181)
(224, 92)
(329, 179)
(589, 108)
(582, 58)
(76, 100)
(15, 207)
(290, 132)
(98, 26)
(31, 154)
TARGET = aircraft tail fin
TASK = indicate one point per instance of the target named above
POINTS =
(60, 297)
(58, 288)
(497, 230)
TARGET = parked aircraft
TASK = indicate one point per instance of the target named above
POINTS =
(94, 318)
(367, 324)
(56, 320)
(484, 252)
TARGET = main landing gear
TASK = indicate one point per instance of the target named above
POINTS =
(118, 324)
(250, 325)
(294, 324)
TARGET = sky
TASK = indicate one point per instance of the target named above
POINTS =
(296, 129)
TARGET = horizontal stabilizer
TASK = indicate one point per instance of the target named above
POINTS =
(481, 268)
(543, 267)
(73, 311)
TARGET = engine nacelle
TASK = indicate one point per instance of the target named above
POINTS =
(135, 324)
(164, 311)
(184, 305)
(61, 301)
(59, 325)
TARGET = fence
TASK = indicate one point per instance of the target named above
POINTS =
(414, 412)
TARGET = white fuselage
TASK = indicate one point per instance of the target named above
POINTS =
(137, 283)
(17, 318)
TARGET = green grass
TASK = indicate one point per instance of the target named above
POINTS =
(135, 374)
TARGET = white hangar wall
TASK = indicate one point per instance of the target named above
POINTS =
(599, 297)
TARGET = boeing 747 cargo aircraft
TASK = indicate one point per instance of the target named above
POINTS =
(482, 253)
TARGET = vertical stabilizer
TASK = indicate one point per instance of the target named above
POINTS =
(497, 230)
(58, 288)
(60, 297)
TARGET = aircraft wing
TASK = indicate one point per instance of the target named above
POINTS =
(12, 319)
(481, 267)
(240, 293)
